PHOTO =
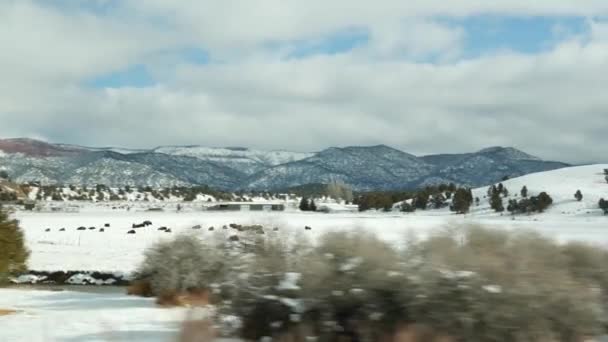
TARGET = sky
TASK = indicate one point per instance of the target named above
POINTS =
(429, 76)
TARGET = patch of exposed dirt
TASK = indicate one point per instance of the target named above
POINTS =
(6, 312)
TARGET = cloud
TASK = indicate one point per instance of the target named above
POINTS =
(297, 82)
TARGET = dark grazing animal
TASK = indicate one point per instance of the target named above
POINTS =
(211, 229)
(307, 228)
(101, 230)
(198, 226)
(91, 228)
(147, 223)
(168, 230)
(138, 225)
(107, 225)
(47, 230)
(131, 231)
(81, 228)
(62, 230)
(162, 228)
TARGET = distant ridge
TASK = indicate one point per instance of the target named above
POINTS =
(378, 167)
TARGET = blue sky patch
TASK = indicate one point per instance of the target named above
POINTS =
(136, 76)
(487, 34)
(336, 43)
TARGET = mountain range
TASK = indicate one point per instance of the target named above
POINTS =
(234, 168)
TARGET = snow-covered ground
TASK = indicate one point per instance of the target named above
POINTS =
(75, 316)
(114, 250)
(68, 316)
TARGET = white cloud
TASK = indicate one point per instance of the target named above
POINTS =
(551, 103)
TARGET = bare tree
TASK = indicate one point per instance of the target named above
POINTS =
(338, 190)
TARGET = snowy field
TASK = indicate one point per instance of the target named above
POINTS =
(115, 250)
(68, 316)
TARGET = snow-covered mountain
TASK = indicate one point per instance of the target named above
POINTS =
(384, 168)
(486, 166)
(245, 160)
(364, 168)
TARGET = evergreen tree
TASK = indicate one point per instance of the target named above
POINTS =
(543, 202)
(505, 192)
(421, 200)
(312, 206)
(13, 253)
(438, 201)
(604, 206)
(407, 207)
(461, 202)
(578, 195)
(304, 204)
(496, 202)
(513, 206)
(524, 192)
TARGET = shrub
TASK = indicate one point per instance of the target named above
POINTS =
(517, 286)
(182, 264)
(13, 253)
(465, 283)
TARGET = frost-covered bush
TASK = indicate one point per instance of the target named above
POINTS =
(344, 281)
(487, 285)
(182, 264)
(470, 284)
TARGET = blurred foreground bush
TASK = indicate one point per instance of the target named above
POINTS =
(13, 253)
(464, 284)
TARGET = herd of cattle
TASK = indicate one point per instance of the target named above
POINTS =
(255, 228)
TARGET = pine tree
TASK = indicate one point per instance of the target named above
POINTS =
(304, 204)
(461, 202)
(505, 192)
(13, 253)
(578, 195)
(438, 201)
(421, 200)
(407, 207)
(543, 201)
(604, 206)
(496, 202)
(524, 192)
(513, 206)
(312, 206)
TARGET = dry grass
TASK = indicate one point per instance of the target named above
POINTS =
(191, 298)
(141, 288)
(6, 312)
